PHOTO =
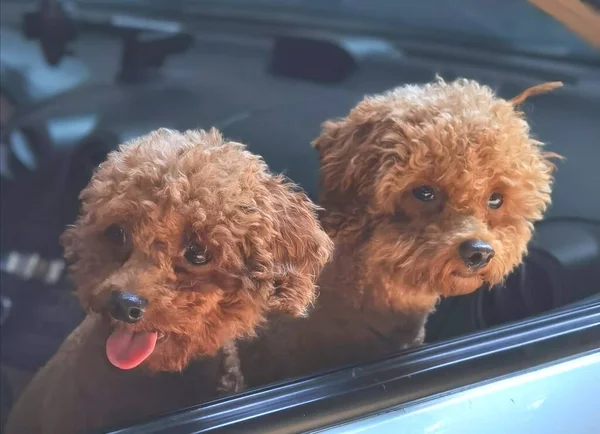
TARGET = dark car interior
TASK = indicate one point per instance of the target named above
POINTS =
(106, 74)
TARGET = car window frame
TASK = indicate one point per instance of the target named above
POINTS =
(424, 373)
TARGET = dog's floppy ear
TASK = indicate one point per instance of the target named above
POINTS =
(297, 247)
(535, 90)
(335, 145)
(346, 153)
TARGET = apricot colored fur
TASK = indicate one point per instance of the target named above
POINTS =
(167, 189)
(395, 256)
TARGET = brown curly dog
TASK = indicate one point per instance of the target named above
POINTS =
(185, 242)
(430, 191)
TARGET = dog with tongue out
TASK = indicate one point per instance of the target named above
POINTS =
(185, 242)
(125, 347)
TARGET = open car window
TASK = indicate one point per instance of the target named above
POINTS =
(381, 394)
(250, 68)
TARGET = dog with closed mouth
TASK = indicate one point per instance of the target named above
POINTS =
(184, 244)
(428, 191)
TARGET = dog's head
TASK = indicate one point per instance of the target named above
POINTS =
(185, 242)
(440, 184)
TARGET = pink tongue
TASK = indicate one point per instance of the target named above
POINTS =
(126, 349)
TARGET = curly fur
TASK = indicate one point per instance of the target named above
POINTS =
(395, 255)
(167, 189)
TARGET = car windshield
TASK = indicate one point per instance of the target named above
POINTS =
(512, 24)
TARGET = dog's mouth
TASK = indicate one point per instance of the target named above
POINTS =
(126, 348)
(465, 275)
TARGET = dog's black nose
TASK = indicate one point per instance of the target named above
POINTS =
(476, 254)
(127, 307)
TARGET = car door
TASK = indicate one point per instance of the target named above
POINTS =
(521, 377)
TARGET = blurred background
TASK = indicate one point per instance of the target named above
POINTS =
(80, 77)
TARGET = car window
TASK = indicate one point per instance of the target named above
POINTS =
(77, 84)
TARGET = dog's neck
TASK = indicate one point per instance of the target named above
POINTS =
(389, 310)
(347, 224)
(369, 289)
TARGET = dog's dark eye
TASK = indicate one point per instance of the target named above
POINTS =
(116, 235)
(196, 255)
(495, 201)
(424, 193)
